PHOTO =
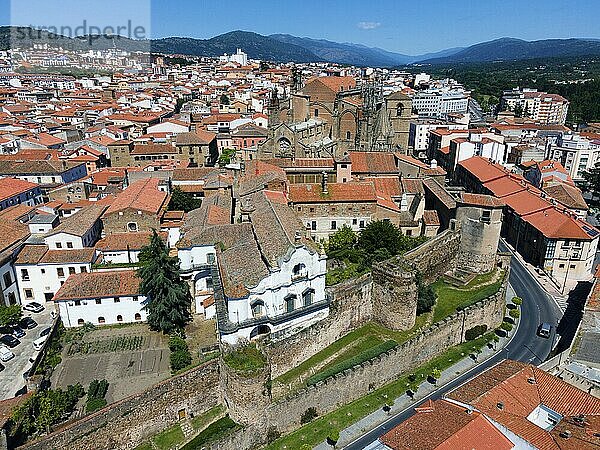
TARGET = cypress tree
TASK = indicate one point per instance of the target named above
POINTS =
(168, 299)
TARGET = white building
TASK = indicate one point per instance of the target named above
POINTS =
(238, 57)
(268, 279)
(438, 103)
(544, 108)
(41, 271)
(576, 153)
(101, 298)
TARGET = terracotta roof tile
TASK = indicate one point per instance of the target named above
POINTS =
(99, 285)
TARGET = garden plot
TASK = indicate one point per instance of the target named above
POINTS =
(130, 358)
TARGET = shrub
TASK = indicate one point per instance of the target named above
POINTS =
(95, 404)
(473, 333)
(176, 343)
(506, 326)
(351, 362)
(517, 301)
(333, 437)
(272, 434)
(436, 373)
(308, 415)
(514, 313)
(180, 359)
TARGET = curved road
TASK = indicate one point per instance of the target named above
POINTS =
(525, 346)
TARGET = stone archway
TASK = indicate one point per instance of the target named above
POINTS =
(260, 331)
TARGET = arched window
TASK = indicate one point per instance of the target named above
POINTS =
(138, 316)
(316, 112)
(258, 308)
(399, 109)
(101, 319)
(80, 322)
(132, 226)
(299, 271)
(119, 318)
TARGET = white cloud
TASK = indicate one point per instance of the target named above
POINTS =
(368, 25)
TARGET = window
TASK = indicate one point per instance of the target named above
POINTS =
(210, 258)
(361, 224)
(101, 319)
(69, 244)
(333, 225)
(132, 226)
(354, 221)
(258, 308)
(98, 301)
(561, 266)
(119, 318)
(71, 270)
(308, 297)
(82, 269)
(77, 302)
(80, 322)
(311, 209)
(313, 225)
(348, 135)
(28, 293)
(409, 232)
(60, 272)
(7, 279)
(486, 216)
(316, 113)
(299, 271)
(59, 245)
(116, 300)
(138, 316)
(290, 301)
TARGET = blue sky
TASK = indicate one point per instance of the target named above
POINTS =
(412, 27)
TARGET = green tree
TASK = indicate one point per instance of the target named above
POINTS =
(224, 100)
(9, 314)
(380, 234)
(183, 201)
(592, 180)
(342, 239)
(226, 156)
(425, 296)
(168, 299)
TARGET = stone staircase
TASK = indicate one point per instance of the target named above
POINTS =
(186, 427)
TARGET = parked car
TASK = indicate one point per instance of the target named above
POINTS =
(544, 330)
(33, 307)
(38, 344)
(5, 354)
(18, 332)
(9, 340)
(27, 323)
(45, 331)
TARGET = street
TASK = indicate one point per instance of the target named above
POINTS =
(526, 345)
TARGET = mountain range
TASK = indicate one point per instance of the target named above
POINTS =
(287, 48)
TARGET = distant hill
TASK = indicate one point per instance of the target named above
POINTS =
(509, 49)
(287, 48)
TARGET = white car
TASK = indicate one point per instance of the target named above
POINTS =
(5, 354)
(33, 307)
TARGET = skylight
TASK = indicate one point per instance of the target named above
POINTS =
(544, 417)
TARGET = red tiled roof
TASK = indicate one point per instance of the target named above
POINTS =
(430, 217)
(483, 169)
(337, 192)
(99, 285)
(373, 162)
(9, 187)
(142, 195)
(442, 425)
(481, 200)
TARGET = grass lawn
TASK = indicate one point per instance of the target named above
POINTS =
(317, 430)
(450, 298)
(247, 360)
(214, 431)
(169, 438)
(353, 344)
(144, 446)
(208, 417)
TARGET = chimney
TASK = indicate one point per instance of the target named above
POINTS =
(324, 186)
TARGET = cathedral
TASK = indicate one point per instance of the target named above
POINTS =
(330, 116)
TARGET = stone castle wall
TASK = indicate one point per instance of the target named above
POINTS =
(350, 308)
(125, 424)
(436, 256)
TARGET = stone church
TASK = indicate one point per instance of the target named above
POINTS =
(332, 115)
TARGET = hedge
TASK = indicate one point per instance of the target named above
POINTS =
(473, 333)
(514, 313)
(351, 362)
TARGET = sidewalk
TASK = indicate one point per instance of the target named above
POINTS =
(366, 424)
(548, 284)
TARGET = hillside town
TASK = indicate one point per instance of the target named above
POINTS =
(196, 240)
